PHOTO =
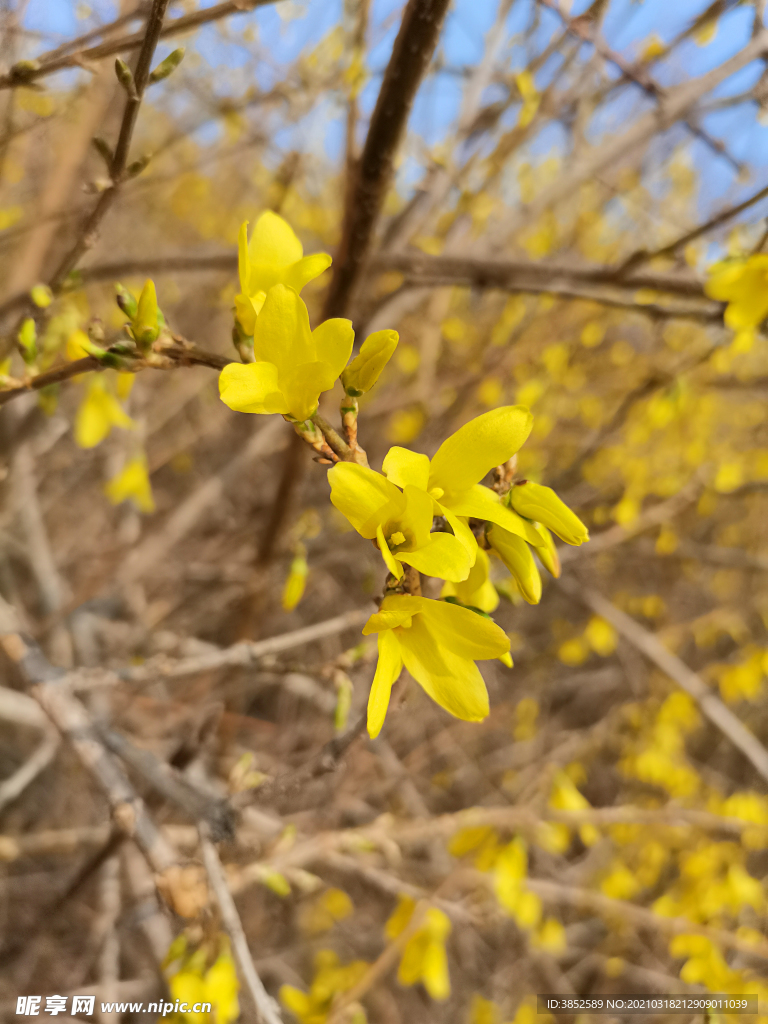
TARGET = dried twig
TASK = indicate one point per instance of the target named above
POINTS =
(711, 706)
(266, 1009)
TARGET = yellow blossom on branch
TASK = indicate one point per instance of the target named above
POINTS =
(400, 521)
(424, 958)
(293, 364)
(132, 482)
(274, 255)
(97, 414)
(438, 643)
(743, 284)
(452, 477)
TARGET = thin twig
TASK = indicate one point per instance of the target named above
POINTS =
(711, 706)
(266, 1008)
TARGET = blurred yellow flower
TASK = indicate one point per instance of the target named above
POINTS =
(132, 482)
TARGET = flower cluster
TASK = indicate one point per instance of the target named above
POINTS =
(431, 516)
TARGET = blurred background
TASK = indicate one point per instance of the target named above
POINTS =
(569, 175)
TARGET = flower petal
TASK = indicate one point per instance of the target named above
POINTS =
(388, 668)
(517, 556)
(464, 632)
(359, 493)
(243, 259)
(460, 529)
(396, 610)
(302, 385)
(333, 342)
(488, 440)
(403, 467)
(307, 269)
(416, 517)
(452, 682)
(281, 335)
(482, 503)
(443, 556)
(476, 590)
(389, 560)
(251, 387)
(274, 241)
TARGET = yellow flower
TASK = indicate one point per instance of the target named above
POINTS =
(145, 326)
(516, 555)
(293, 364)
(132, 482)
(542, 504)
(451, 477)
(331, 979)
(217, 985)
(509, 875)
(424, 958)
(476, 591)
(438, 643)
(400, 521)
(293, 591)
(274, 255)
(743, 284)
(364, 370)
(97, 414)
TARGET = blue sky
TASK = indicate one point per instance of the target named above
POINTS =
(627, 26)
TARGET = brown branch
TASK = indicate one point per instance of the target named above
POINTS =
(178, 884)
(411, 54)
(54, 61)
(180, 353)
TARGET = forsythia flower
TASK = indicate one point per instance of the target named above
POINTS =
(132, 482)
(516, 555)
(399, 520)
(424, 957)
(509, 873)
(217, 985)
(97, 414)
(476, 591)
(540, 503)
(743, 284)
(451, 477)
(364, 370)
(273, 256)
(331, 979)
(438, 643)
(293, 364)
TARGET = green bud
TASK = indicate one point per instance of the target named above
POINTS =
(126, 301)
(145, 323)
(27, 338)
(534, 501)
(125, 77)
(343, 701)
(135, 167)
(104, 149)
(364, 370)
(23, 70)
(516, 555)
(167, 66)
(546, 552)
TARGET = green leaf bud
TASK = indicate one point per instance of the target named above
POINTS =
(534, 501)
(27, 338)
(516, 555)
(104, 149)
(145, 323)
(167, 66)
(135, 167)
(126, 301)
(364, 370)
(125, 78)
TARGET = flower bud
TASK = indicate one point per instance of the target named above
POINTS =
(126, 301)
(364, 370)
(27, 339)
(125, 77)
(516, 555)
(145, 323)
(534, 501)
(546, 552)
